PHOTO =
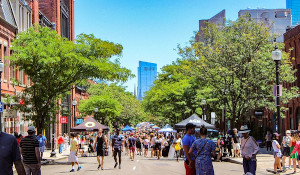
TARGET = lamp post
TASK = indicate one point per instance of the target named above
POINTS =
(224, 112)
(203, 109)
(96, 110)
(74, 103)
(1, 70)
(276, 55)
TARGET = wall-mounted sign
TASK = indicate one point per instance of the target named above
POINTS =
(258, 112)
(79, 121)
(63, 120)
(9, 113)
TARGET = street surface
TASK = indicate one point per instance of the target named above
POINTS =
(141, 166)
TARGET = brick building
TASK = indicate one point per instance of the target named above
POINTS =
(292, 40)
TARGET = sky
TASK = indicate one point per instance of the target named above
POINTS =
(151, 30)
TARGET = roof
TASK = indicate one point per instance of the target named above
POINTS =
(7, 14)
(196, 121)
(90, 124)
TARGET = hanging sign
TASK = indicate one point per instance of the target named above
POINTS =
(63, 120)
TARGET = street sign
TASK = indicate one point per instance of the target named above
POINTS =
(63, 120)
(275, 90)
(79, 121)
(1, 106)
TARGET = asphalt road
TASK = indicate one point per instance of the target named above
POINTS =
(141, 166)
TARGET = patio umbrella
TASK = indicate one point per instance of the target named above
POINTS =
(155, 127)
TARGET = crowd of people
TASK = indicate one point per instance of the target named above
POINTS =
(288, 149)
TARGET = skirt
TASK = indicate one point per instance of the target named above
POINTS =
(73, 157)
(295, 155)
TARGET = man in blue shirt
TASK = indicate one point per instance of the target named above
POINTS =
(117, 147)
(187, 141)
(42, 142)
(10, 153)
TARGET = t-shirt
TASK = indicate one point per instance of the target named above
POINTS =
(74, 143)
(41, 140)
(131, 141)
(188, 140)
(28, 145)
(60, 140)
(9, 153)
(287, 141)
(118, 139)
(236, 138)
(274, 145)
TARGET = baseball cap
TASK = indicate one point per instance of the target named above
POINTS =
(31, 129)
(190, 126)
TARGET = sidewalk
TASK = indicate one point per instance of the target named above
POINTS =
(47, 155)
(265, 160)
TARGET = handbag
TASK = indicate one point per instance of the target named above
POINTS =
(177, 147)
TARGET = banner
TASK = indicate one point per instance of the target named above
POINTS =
(63, 120)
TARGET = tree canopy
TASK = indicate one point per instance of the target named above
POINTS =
(54, 64)
(229, 65)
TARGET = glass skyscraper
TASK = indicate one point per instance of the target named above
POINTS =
(294, 5)
(147, 73)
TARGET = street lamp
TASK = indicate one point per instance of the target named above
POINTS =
(276, 55)
(224, 112)
(96, 110)
(74, 103)
(203, 109)
(1, 70)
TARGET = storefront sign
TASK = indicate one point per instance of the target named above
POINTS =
(9, 113)
(63, 120)
(79, 121)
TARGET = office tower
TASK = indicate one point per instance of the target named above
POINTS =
(147, 73)
(277, 20)
(294, 5)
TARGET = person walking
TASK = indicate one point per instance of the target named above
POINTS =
(219, 148)
(42, 142)
(187, 141)
(73, 157)
(158, 143)
(277, 153)
(102, 145)
(60, 142)
(295, 151)
(249, 149)
(138, 145)
(9, 155)
(205, 148)
(117, 147)
(132, 144)
(66, 141)
(236, 140)
(146, 145)
(29, 147)
(269, 141)
(286, 148)
(177, 146)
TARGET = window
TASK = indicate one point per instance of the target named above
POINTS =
(28, 80)
(21, 77)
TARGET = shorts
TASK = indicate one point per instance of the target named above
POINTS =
(236, 146)
(158, 146)
(286, 151)
(117, 151)
(146, 146)
(100, 152)
(138, 145)
(132, 149)
(42, 149)
(73, 157)
(277, 154)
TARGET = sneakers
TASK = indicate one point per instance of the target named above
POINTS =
(79, 168)
(98, 167)
(72, 170)
(116, 164)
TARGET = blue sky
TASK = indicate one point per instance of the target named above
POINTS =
(150, 30)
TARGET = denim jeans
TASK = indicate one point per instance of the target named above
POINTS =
(249, 166)
(32, 169)
(60, 148)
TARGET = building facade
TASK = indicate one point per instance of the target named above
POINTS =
(218, 19)
(147, 73)
(294, 6)
(277, 20)
(292, 41)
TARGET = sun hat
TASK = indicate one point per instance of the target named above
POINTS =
(276, 134)
(244, 129)
(287, 131)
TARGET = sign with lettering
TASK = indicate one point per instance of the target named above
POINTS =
(63, 120)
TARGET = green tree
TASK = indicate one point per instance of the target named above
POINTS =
(130, 108)
(236, 61)
(54, 64)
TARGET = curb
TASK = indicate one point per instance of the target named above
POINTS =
(232, 161)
